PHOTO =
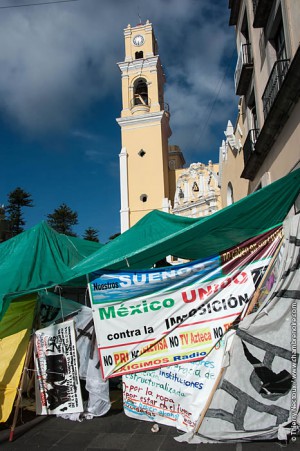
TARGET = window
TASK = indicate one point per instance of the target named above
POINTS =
(195, 187)
(277, 56)
(252, 113)
(245, 30)
(139, 55)
(141, 153)
(279, 43)
(143, 197)
(297, 205)
(262, 47)
(229, 194)
(140, 90)
(180, 194)
(254, 117)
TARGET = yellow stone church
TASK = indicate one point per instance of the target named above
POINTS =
(152, 173)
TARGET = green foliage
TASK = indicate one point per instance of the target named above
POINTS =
(91, 234)
(63, 219)
(2, 212)
(115, 235)
(17, 199)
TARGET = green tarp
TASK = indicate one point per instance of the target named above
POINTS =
(160, 234)
(42, 258)
(38, 258)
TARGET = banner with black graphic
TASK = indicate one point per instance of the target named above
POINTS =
(57, 380)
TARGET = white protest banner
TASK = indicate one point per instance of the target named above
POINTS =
(149, 319)
(57, 381)
(174, 395)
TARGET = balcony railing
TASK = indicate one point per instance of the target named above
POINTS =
(249, 145)
(274, 84)
(243, 70)
(281, 111)
(261, 12)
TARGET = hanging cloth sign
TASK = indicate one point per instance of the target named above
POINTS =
(57, 382)
(149, 319)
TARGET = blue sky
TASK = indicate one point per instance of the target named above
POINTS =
(60, 95)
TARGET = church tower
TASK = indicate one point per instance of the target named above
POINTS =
(145, 129)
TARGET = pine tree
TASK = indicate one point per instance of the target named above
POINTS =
(115, 235)
(63, 219)
(2, 213)
(17, 199)
(91, 234)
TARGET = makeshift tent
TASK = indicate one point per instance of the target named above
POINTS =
(14, 335)
(38, 258)
(150, 240)
(159, 234)
(258, 397)
(15, 329)
(42, 258)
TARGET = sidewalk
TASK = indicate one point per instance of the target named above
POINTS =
(114, 431)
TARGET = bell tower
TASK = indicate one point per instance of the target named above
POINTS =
(145, 129)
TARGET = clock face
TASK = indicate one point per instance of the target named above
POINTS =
(138, 40)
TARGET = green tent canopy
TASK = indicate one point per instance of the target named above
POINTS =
(160, 234)
(42, 258)
(38, 258)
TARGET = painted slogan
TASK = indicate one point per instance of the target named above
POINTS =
(174, 395)
(146, 320)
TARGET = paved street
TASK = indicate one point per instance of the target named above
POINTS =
(114, 431)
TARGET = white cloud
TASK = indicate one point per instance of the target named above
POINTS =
(56, 60)
(94, 155)
(85, 135)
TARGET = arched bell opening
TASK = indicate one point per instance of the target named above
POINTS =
(140, 92)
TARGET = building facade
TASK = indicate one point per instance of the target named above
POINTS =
(267, 79)
(197, 190)
(231, 163)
